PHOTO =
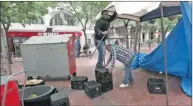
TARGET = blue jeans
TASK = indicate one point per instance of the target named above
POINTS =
(77, 53)
(128, 75)
(101, 52)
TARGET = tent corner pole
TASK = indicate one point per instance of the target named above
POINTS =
(137, 36)
(165, 53)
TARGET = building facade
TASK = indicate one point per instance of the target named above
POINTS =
(56, 22)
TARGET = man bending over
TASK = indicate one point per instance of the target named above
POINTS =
(123, 55)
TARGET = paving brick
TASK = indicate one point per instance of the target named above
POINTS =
(134, 95)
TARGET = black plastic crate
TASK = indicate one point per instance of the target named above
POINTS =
(103, 74)
(78, 82)
(93, 89)
(106, 85)
(156, 86)
(60, 99)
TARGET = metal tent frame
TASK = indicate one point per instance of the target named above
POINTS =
(169, 8)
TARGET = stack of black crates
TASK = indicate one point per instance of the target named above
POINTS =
(103, 83)
(93, 89)
(78, 82)
(104, 78)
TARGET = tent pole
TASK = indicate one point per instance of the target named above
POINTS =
(139, 45)
(165, 55)
(136, 37)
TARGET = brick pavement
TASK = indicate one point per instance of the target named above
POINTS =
(135, 95)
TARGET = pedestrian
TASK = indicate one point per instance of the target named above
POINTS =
(158, 40)
(76, 47)
(85, 49)
(79, 47)
(125, 56)
(149, 43)
(101, 29)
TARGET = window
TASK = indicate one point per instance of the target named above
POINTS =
(51, 22)
(56, 20)
(64, 20)
(37, 21)
(42, 21)
(69, 19)
(34, 22)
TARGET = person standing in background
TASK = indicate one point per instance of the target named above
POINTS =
(77, 46)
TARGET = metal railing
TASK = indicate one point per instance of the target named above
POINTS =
(6, 87)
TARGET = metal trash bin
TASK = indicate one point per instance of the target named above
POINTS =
(42, 93)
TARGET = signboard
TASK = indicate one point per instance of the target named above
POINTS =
(47, 34)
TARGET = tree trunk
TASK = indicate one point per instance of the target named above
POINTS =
(127, 40)
(132, 35)
(136, 37)
(127, 35)
(7, 48)
(131, 40)
(85, 36)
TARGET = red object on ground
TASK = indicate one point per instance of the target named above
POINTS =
(71, 56)
(12, 97)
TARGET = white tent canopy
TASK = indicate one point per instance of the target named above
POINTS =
(135, 10)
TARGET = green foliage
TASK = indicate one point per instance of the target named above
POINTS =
(85, 11)
(21, 12)
(168, 23)
(147, 27)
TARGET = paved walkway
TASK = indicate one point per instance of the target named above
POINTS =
(134, 95)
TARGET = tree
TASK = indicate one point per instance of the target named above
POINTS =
(84, 12)
(20, 12)
(168, 24)
(127, 36)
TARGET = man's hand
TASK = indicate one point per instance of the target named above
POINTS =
(105, 32)
(111, 70)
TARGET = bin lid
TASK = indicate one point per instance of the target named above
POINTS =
(48, 39)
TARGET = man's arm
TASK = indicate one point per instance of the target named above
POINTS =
(113, 60)
(97, 30)
(109, 60)
(112, 17)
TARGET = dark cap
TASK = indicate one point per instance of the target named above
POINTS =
(104, 11)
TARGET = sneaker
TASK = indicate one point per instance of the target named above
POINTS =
(123, 85)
